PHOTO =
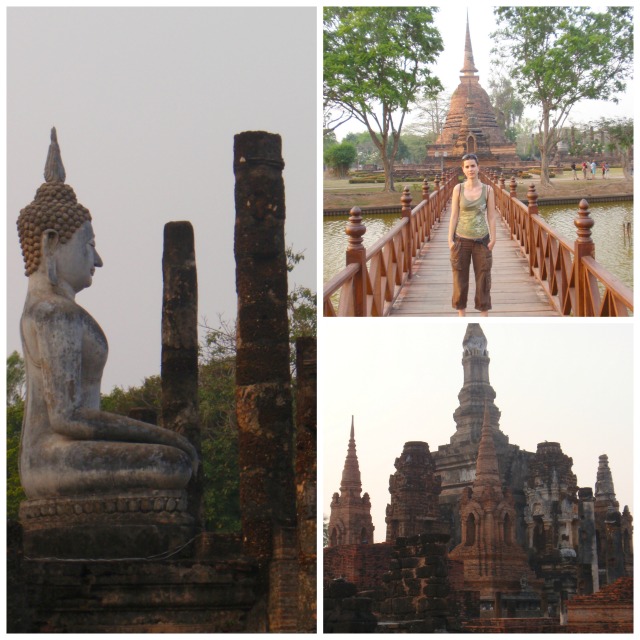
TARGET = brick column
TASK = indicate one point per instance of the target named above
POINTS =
(179, 361)
(306, 481)
(263, 385)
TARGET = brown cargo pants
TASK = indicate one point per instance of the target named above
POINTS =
(463, 253)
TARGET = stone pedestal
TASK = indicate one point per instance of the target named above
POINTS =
(136, 525)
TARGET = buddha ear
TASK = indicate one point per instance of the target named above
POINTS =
(50, 240)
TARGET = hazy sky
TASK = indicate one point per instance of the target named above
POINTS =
(450, 19)
(146, 103)
(564, 382)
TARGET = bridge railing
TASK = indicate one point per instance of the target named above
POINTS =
(372, 279)
(574, 281)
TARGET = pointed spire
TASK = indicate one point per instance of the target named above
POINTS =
(474, 341)
(487, 473)
(351, 481)
(468, 68)
(605, 493)
(53, 168)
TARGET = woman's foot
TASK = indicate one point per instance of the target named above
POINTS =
(462, 313)
(484, 314)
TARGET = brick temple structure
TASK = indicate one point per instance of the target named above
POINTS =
(350, 521)
(471, 125)
(524, 539)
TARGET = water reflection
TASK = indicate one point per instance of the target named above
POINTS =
(614, 249)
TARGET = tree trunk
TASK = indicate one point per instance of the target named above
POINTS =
(544, 150)
(626, 171)
(388, 174)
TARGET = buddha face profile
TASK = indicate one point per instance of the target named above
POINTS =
(74, 262)
(70, 446)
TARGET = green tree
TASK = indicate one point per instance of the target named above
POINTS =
(559, 56)
(507, 106)
(15, 414)
(620, 134)
(340, 157)
(429, 116)
(376, 65)
(15, 378)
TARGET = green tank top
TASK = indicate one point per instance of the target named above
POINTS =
(472, 216)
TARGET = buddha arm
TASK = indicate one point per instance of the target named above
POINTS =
(60, 345)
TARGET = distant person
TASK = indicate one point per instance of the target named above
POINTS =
(604, 170)
(472, 236)
(584, 169)
(575, 172)
(594, 167)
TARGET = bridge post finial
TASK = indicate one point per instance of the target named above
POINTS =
(425, 189)
(584, 247)
(512, 187)
(532, 210)
(406, 200)
(356, 254)
(502, 180)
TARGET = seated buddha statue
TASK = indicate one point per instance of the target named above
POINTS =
(70, 447)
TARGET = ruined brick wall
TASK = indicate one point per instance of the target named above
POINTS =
(608, 611)
(361, 564)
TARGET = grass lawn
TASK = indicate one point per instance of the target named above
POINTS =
(339, 193)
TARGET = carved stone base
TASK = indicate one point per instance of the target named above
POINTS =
(142, 524)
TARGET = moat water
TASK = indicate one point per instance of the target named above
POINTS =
(614, 250)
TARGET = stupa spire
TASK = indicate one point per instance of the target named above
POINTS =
(351, 481)
(468, 66)
(605, 492)
(53, 168)
(487, 473)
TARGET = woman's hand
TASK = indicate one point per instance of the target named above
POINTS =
(491, 244)
(452, 243)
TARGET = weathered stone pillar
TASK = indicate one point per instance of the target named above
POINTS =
(306, 481)
(179, 366)
(588, 578)
(263, 381)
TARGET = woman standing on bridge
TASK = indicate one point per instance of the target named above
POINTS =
(472, 236)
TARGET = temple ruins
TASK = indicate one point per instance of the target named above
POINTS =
(111, 538)
(483, 536)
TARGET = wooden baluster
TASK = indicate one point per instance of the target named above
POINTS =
(584, 246)
(512, 208)
(406, 200)
(427, 208)
(357, 254)
(532, 197)
(438, 197)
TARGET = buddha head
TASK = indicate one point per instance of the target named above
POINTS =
(56, 227)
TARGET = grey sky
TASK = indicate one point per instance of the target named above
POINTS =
(450, 19)
(563, 382)
(146, 103)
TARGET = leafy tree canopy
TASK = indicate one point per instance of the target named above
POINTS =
(559, 56)
(376, 64)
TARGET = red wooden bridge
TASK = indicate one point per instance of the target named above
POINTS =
(536, 271)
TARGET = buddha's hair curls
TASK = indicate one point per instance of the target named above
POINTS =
(54, 207)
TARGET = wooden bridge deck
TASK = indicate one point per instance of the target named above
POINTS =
(513, 291)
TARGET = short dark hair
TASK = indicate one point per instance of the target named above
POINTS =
(470, 156)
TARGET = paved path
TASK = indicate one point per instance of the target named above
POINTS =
(513, 291)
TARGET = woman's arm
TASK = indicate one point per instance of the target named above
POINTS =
(491, 218)
(453, 222)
